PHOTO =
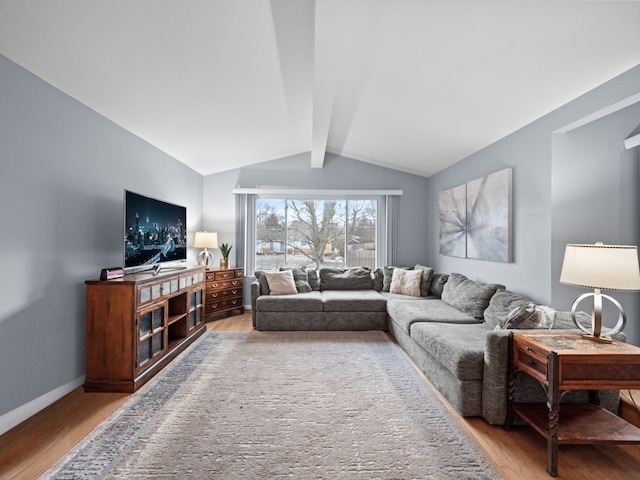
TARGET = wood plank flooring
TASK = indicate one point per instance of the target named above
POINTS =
(32, 447)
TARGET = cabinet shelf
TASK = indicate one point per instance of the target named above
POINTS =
(175, 318)
(137, 324)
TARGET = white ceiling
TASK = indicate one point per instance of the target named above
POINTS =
(414, 85)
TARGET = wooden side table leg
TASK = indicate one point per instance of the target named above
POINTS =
(553, 404)
(511, 382)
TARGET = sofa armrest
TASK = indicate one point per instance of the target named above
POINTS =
(496, 370)
(255, 293)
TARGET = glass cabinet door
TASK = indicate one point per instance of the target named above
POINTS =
(152, 334)
(195, 309)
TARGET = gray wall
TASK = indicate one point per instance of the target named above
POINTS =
(601, 203)
(64, 169)
(337, 173)
(575, 187)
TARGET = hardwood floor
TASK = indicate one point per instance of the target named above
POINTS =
(32, 447)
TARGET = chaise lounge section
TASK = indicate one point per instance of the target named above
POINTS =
(452, 327)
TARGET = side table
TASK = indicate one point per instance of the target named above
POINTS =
(563, 362)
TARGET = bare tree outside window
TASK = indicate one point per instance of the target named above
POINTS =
(315, 233)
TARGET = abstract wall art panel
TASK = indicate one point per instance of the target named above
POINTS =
(475, 219)
(453, 222)
(489, 217)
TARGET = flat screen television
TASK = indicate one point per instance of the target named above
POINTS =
(154, 231)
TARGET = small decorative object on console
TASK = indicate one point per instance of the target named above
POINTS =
(225, 248)
(111, 273)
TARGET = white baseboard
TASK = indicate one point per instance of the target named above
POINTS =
(23, 412)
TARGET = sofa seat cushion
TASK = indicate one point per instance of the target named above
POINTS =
(300, 302)
(459, 348)
(353, 301)
(404, 313)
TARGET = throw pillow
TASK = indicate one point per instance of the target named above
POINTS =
(427, 277)
(300, 278)
(281, 283)
(388, 277)
(501, 305)
(529, 316)
(406, 282)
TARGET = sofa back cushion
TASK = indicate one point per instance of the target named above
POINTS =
(378, 279)
(427, 277)
(262, 280)
(356, 278)
(314, 279)
(437, 284)
(469, 296)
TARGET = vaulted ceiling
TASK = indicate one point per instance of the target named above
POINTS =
(414, 85)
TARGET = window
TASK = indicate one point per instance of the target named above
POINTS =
(329, 232)
(340, 228)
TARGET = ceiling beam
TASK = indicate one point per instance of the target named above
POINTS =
(324, 87)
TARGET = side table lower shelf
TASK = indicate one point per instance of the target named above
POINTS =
(582, 424)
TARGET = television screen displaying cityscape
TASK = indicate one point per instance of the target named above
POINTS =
(154, 231)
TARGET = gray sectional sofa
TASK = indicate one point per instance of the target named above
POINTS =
(451, 328)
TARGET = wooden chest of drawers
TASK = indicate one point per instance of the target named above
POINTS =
(223, 292)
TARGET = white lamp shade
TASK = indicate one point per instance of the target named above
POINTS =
(605, 267)
(206, 240)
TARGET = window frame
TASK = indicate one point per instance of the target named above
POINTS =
(386, 228)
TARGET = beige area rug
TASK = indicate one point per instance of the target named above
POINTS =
(295, 405)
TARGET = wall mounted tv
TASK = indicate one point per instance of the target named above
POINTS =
(154, 231)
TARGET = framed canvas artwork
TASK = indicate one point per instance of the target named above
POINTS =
(475, 218)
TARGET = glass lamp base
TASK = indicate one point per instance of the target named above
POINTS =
(595, 333)
(205, 258)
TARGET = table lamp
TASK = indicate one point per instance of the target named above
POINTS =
(601, 267)
(206, 240)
